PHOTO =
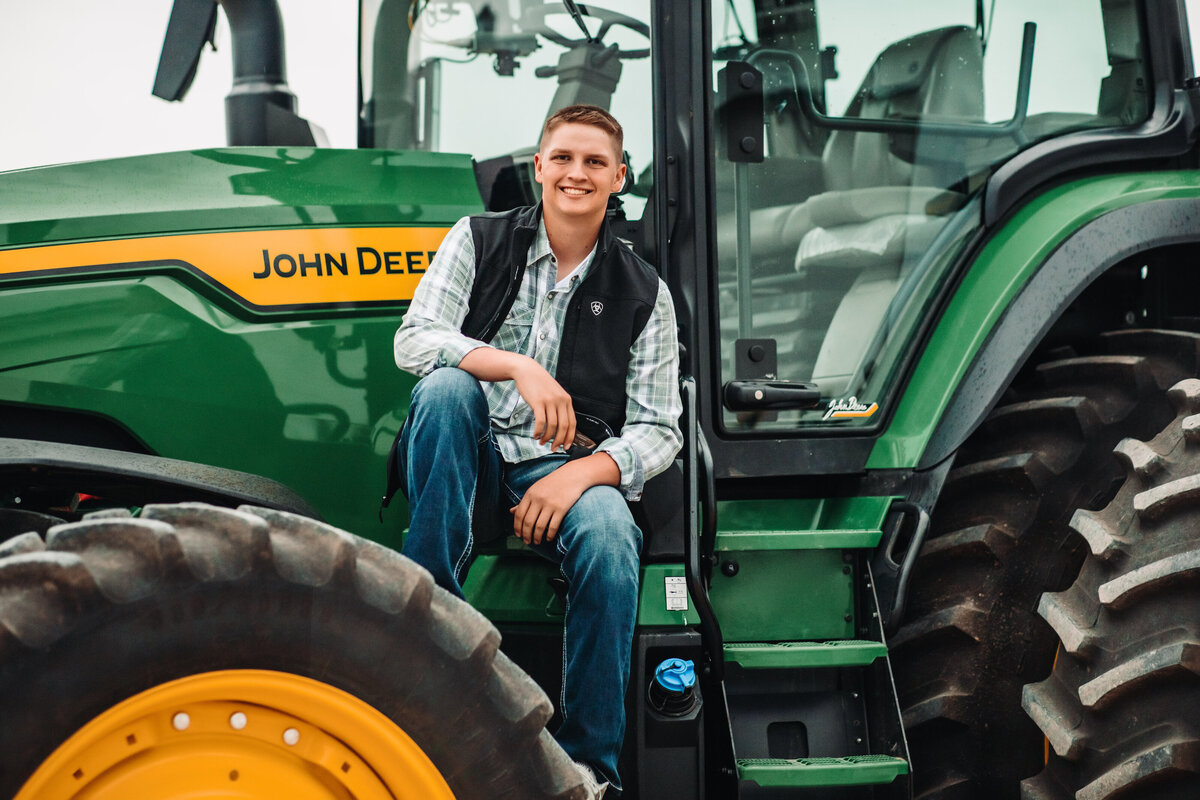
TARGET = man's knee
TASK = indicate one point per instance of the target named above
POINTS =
(447, 389)
(606, 528)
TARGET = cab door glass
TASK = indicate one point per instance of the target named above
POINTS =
(847, 175)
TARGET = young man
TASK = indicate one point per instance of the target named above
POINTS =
(529, 326)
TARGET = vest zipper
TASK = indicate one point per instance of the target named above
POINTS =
(506, 303)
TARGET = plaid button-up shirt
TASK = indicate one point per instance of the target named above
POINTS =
(430, 338)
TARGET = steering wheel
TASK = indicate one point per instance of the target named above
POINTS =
(534, 21)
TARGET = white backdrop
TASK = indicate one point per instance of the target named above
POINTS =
(75, 79)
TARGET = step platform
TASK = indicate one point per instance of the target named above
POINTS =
(863, 770)
(804, 655)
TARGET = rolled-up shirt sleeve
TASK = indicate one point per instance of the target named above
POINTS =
(429, 336)
(650, 438)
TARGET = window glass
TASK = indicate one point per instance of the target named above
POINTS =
(881, 121)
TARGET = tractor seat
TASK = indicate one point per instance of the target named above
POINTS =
(888, 194)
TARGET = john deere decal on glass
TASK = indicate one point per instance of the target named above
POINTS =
(849, 408)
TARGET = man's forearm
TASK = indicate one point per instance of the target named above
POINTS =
(493, 365)
(598, 469)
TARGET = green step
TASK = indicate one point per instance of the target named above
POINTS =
(800, 524)
(739, 541)
(785, 655)
(810, 772)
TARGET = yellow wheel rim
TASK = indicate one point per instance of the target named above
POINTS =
(239, 734)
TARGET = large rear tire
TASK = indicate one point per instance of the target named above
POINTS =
(113, 608)
(1121, 710)
(1000, 537)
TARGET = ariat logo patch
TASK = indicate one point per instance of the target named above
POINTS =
(597, 307)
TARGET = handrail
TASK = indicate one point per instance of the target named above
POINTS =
(694, 450)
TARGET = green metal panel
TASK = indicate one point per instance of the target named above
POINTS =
(785, 596)
(233, 188)
(312, 404)
(514, 589)
(1006, 262)
(792, 581)
(814, 772)
(795, 540)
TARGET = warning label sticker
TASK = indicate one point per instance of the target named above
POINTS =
(677, 598)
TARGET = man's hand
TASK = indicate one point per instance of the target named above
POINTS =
(553, 414)
(554, 417)
(541, 511)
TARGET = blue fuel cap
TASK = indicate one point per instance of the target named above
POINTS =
(676, 675)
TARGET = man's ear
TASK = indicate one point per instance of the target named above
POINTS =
(537, 167)
(620, 181)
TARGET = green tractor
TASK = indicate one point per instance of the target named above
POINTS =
(935, 529)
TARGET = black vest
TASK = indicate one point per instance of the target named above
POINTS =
(606, 313)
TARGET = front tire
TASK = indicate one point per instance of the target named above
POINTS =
(113, 607)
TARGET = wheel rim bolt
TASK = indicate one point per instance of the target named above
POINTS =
(237, 720)
(291, 736)
(181, 721)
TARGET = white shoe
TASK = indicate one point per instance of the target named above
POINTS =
(593, 788)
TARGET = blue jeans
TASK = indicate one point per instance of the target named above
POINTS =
(457, 486)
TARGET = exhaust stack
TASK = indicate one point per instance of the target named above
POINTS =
(260, 109)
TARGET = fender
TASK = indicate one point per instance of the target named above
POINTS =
(1074, 265)
(137, 478)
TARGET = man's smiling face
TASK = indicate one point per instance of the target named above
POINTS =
(578, 168)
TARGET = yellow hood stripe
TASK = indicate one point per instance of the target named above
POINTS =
(296, 267)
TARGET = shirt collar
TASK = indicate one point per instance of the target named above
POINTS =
(540, 253)
(541, 245)
(580, 272)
